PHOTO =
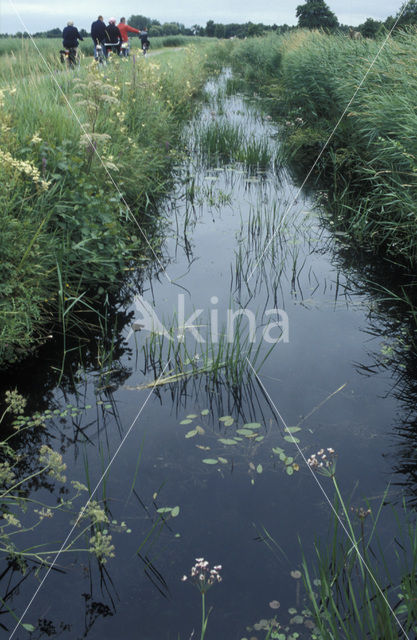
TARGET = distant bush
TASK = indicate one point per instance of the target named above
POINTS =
(174, 41)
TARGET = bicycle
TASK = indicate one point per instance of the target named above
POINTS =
(101, 58)
(145, 47)
(124, 49)
(69, 57)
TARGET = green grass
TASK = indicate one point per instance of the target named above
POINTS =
(67, 232)
(221, 141)
(370, 164)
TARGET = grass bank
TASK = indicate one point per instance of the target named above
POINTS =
(370, 163)
(84, 155)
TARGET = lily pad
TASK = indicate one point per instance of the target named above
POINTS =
(292, 429)
(200, 430)
(245, 432)
(205, 412)
(175, 511)
(192, 416)
(289, 470)
(259, 468)
(291, 439)
(191, 433)
(252, 425)
(222, 460)
(210, 460)
(186, 421)
(278, 450)
(227, 441)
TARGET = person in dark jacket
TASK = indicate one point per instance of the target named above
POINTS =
(143, 35)
(98, 35)
(70, 37)
(113, 36)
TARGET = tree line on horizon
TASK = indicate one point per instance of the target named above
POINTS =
(313, 14)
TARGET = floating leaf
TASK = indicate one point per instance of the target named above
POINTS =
(192, 416)
(175, 511)
(164, 510)
(252, 425)
(259, 438)
(185, 421)
(210, 460)
(200, 446)
(291, 439)
(296, 574)
(200, 430)
(289, 460)
(155, 495)
(282, 457)
(252, 466)
(292, 429)
(205, 412)
(226, 419)
(259, 468)
(227, 441)
(278, 450)
(28, 627)
(222, 460)
(191, 433)
(292, 611)
(296, 466)
(274, 604)
(245, 432)
(289, 470)
(297, 620)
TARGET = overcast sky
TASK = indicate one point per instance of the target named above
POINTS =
(39, 15)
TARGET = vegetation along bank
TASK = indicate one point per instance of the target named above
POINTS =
(370, 162)
(66, 140)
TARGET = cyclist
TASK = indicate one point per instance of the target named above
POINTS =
(98, 35)
(70, 37)
(113, 36)
(124, 30)
(143, 35)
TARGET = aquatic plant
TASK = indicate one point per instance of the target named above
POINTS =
(353, 588)
(203, 578)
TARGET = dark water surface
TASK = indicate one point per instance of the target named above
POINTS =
(335, 377)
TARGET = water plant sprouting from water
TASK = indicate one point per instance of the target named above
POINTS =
(356, 592)
(203, 578)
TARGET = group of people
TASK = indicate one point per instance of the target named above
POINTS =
(109, 37)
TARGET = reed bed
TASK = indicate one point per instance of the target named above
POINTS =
(370, 162)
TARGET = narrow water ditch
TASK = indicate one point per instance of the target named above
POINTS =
(243, 266)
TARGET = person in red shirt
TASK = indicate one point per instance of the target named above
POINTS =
(124, 29)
